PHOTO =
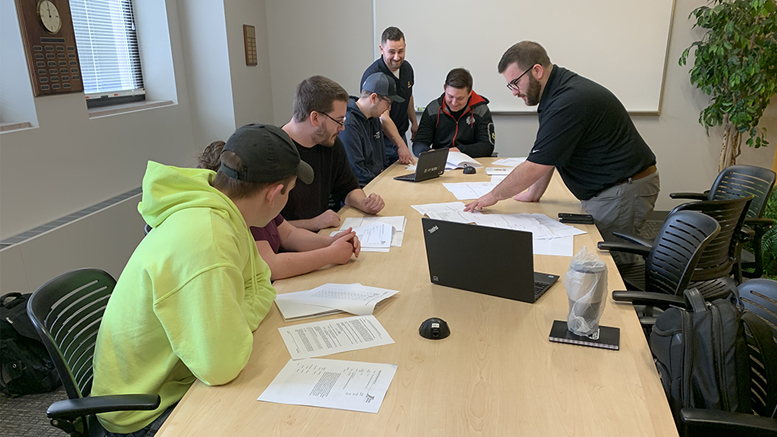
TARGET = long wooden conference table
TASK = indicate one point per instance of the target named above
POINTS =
(496, 375)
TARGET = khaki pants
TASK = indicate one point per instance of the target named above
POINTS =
(624, 208)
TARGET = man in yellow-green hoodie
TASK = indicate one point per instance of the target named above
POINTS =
(195, 288)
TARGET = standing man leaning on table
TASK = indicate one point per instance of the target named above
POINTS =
(319, 116)
(586, 133)
(401, 115)
(187, 303)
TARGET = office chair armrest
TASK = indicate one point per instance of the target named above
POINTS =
(624, 247)
(644, 298)
(694, 196)
(634, 239)
(71, 409)
(702, 422)
(760, 225)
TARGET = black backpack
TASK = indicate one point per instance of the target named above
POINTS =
(702, 354)
(25, 363)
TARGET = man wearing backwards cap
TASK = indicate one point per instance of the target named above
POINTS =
(363, 135)
(195, 288)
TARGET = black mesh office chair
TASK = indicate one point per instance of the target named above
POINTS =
(711, 275)
(67, 312)
(739, 181)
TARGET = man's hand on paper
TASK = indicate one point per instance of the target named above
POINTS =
(405, 157)
(327, 219)
(482, 202)
(371, 204)
(454, 149)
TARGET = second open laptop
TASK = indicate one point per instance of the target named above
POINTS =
(493, 261)
(431, 164)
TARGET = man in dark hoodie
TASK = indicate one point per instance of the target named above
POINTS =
(458, 119)
(363, 136)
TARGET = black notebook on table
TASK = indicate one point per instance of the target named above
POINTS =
(609, 337)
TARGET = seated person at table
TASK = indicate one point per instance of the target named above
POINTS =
(303, 251)
(458, 119)
(319, 116)
(363, 134)
(195, 289)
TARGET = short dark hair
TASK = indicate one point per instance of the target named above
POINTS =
(459, 78)
(391, 33)
(317, 93)
(211, 159)
(526, 54)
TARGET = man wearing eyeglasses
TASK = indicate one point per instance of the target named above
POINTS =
(363, 135)
(585, 133)
(401, 115)
(459, 119)
(319, 116)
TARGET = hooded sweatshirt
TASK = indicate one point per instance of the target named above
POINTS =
(471, 130)
(363, 140)
(188, 300)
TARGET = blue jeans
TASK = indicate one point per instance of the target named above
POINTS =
(151, 429)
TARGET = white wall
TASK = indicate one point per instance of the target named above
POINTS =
(329, 38)
(251, 89)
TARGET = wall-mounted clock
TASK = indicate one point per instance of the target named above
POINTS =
(50, 43)
(48, 14)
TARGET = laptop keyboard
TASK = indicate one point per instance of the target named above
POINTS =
(540, 287)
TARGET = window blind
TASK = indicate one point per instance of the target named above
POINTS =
(107, 46)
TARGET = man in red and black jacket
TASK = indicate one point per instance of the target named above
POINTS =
(458, 119)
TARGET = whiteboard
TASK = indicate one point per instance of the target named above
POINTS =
(620, 44)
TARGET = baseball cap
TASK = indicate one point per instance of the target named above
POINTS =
(267, 153)
(382, 85)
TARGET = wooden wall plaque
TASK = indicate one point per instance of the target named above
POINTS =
(50, 44)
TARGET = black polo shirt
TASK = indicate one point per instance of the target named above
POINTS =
(404, 84)
(586, 133)
(333, 176)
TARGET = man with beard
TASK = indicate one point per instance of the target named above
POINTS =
(401, 114)
(319, 116)
(585, 133)
(362, 136)
(459, 119)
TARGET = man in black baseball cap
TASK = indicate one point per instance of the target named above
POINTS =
(191, 295)
(363, 134)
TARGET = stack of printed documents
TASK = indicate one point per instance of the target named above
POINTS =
(459, 160)
(549, 237)
(326, 299)
(376, 234)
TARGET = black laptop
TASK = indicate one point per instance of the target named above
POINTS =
(493, 261)
(431, 164)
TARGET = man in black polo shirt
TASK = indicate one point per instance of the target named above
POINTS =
(402, 114)
(319, 116)
(585, 133)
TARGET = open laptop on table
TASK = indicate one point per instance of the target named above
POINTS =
(431, 164)
(493, 261)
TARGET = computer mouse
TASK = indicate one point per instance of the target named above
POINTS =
(468, 169)
(434, 329)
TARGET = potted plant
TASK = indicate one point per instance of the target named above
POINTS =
(736, 64)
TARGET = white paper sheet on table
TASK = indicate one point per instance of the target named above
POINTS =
(562, 246)
(469, 190)
(355, 298)
(317, 339)
(372, 246)
(458, 159)
(509, 162)
(498, 171)
(398, 222)
(375, 237)
(449, 211)
(497, 179)
(343, 385)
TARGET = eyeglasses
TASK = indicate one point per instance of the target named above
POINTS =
(339, 123)
(513, 85)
